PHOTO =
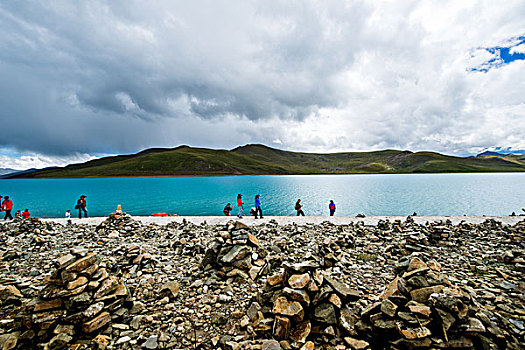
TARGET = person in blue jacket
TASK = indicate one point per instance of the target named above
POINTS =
(258, 209)
(331, 206)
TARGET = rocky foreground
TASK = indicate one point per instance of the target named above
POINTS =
(128, 285)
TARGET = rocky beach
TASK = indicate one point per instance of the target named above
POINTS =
(219, 283)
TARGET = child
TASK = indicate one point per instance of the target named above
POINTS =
(26, 214)
(68, 214)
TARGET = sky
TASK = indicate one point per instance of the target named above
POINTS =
(85, 79)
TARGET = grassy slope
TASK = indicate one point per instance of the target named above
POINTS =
(258, 159)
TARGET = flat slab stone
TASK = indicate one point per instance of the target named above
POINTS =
(422, 294)
(98, 322)
(342, 289)
(82, 263)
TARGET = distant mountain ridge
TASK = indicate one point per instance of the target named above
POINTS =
(258, 159)
(499, 152)
(4, 171)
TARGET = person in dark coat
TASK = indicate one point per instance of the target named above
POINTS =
(82, 206)
(227, 209)
(298, 207)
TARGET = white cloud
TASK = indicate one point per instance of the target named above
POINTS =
(18, 161)
(517, 49)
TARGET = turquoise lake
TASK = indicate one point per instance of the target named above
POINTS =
(426, 194)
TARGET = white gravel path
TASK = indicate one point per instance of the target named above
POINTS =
(283, 220)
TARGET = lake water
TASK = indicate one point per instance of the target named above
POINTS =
(426, 194)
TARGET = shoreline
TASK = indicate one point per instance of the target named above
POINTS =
(287, 220)
(15, 177)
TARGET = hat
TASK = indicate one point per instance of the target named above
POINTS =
(83, 196)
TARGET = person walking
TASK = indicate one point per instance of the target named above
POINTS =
(258, 209)
(239, 205)
(82, 206)
(298, 207)
(7, 206)
(227, 209)
(331, 206)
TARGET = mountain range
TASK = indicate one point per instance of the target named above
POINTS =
(258, 159)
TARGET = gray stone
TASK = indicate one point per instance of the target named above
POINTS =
(325, 313)
(151, 343)
(271, 345)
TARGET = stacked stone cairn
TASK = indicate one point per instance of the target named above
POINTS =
(119, 224)
(235, 253)
(302, 307)
(420, 308)
(80, 300)
(32, 225)
(133, 259)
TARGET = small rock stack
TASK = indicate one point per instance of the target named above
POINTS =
(421, 309)
(301, 304)
(329, 250)
(31, 225)
(134, 259)
(441, 234)
(119, 224)
(79, 300)
(234, 252)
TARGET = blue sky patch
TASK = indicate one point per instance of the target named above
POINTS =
(512, 50)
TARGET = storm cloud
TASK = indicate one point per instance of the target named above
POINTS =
(83, 79)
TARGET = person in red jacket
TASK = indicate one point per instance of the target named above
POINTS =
(7, 206)
(331, 206)
(239, 205)
(26, 214)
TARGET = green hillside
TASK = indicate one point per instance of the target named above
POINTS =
(261, 160)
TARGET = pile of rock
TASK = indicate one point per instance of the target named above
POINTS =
(133, 259)
(13, 294)
(301, 305)
(420, 308)
(29, 225)
(119, 224)
(234, 252)
(79, 300)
